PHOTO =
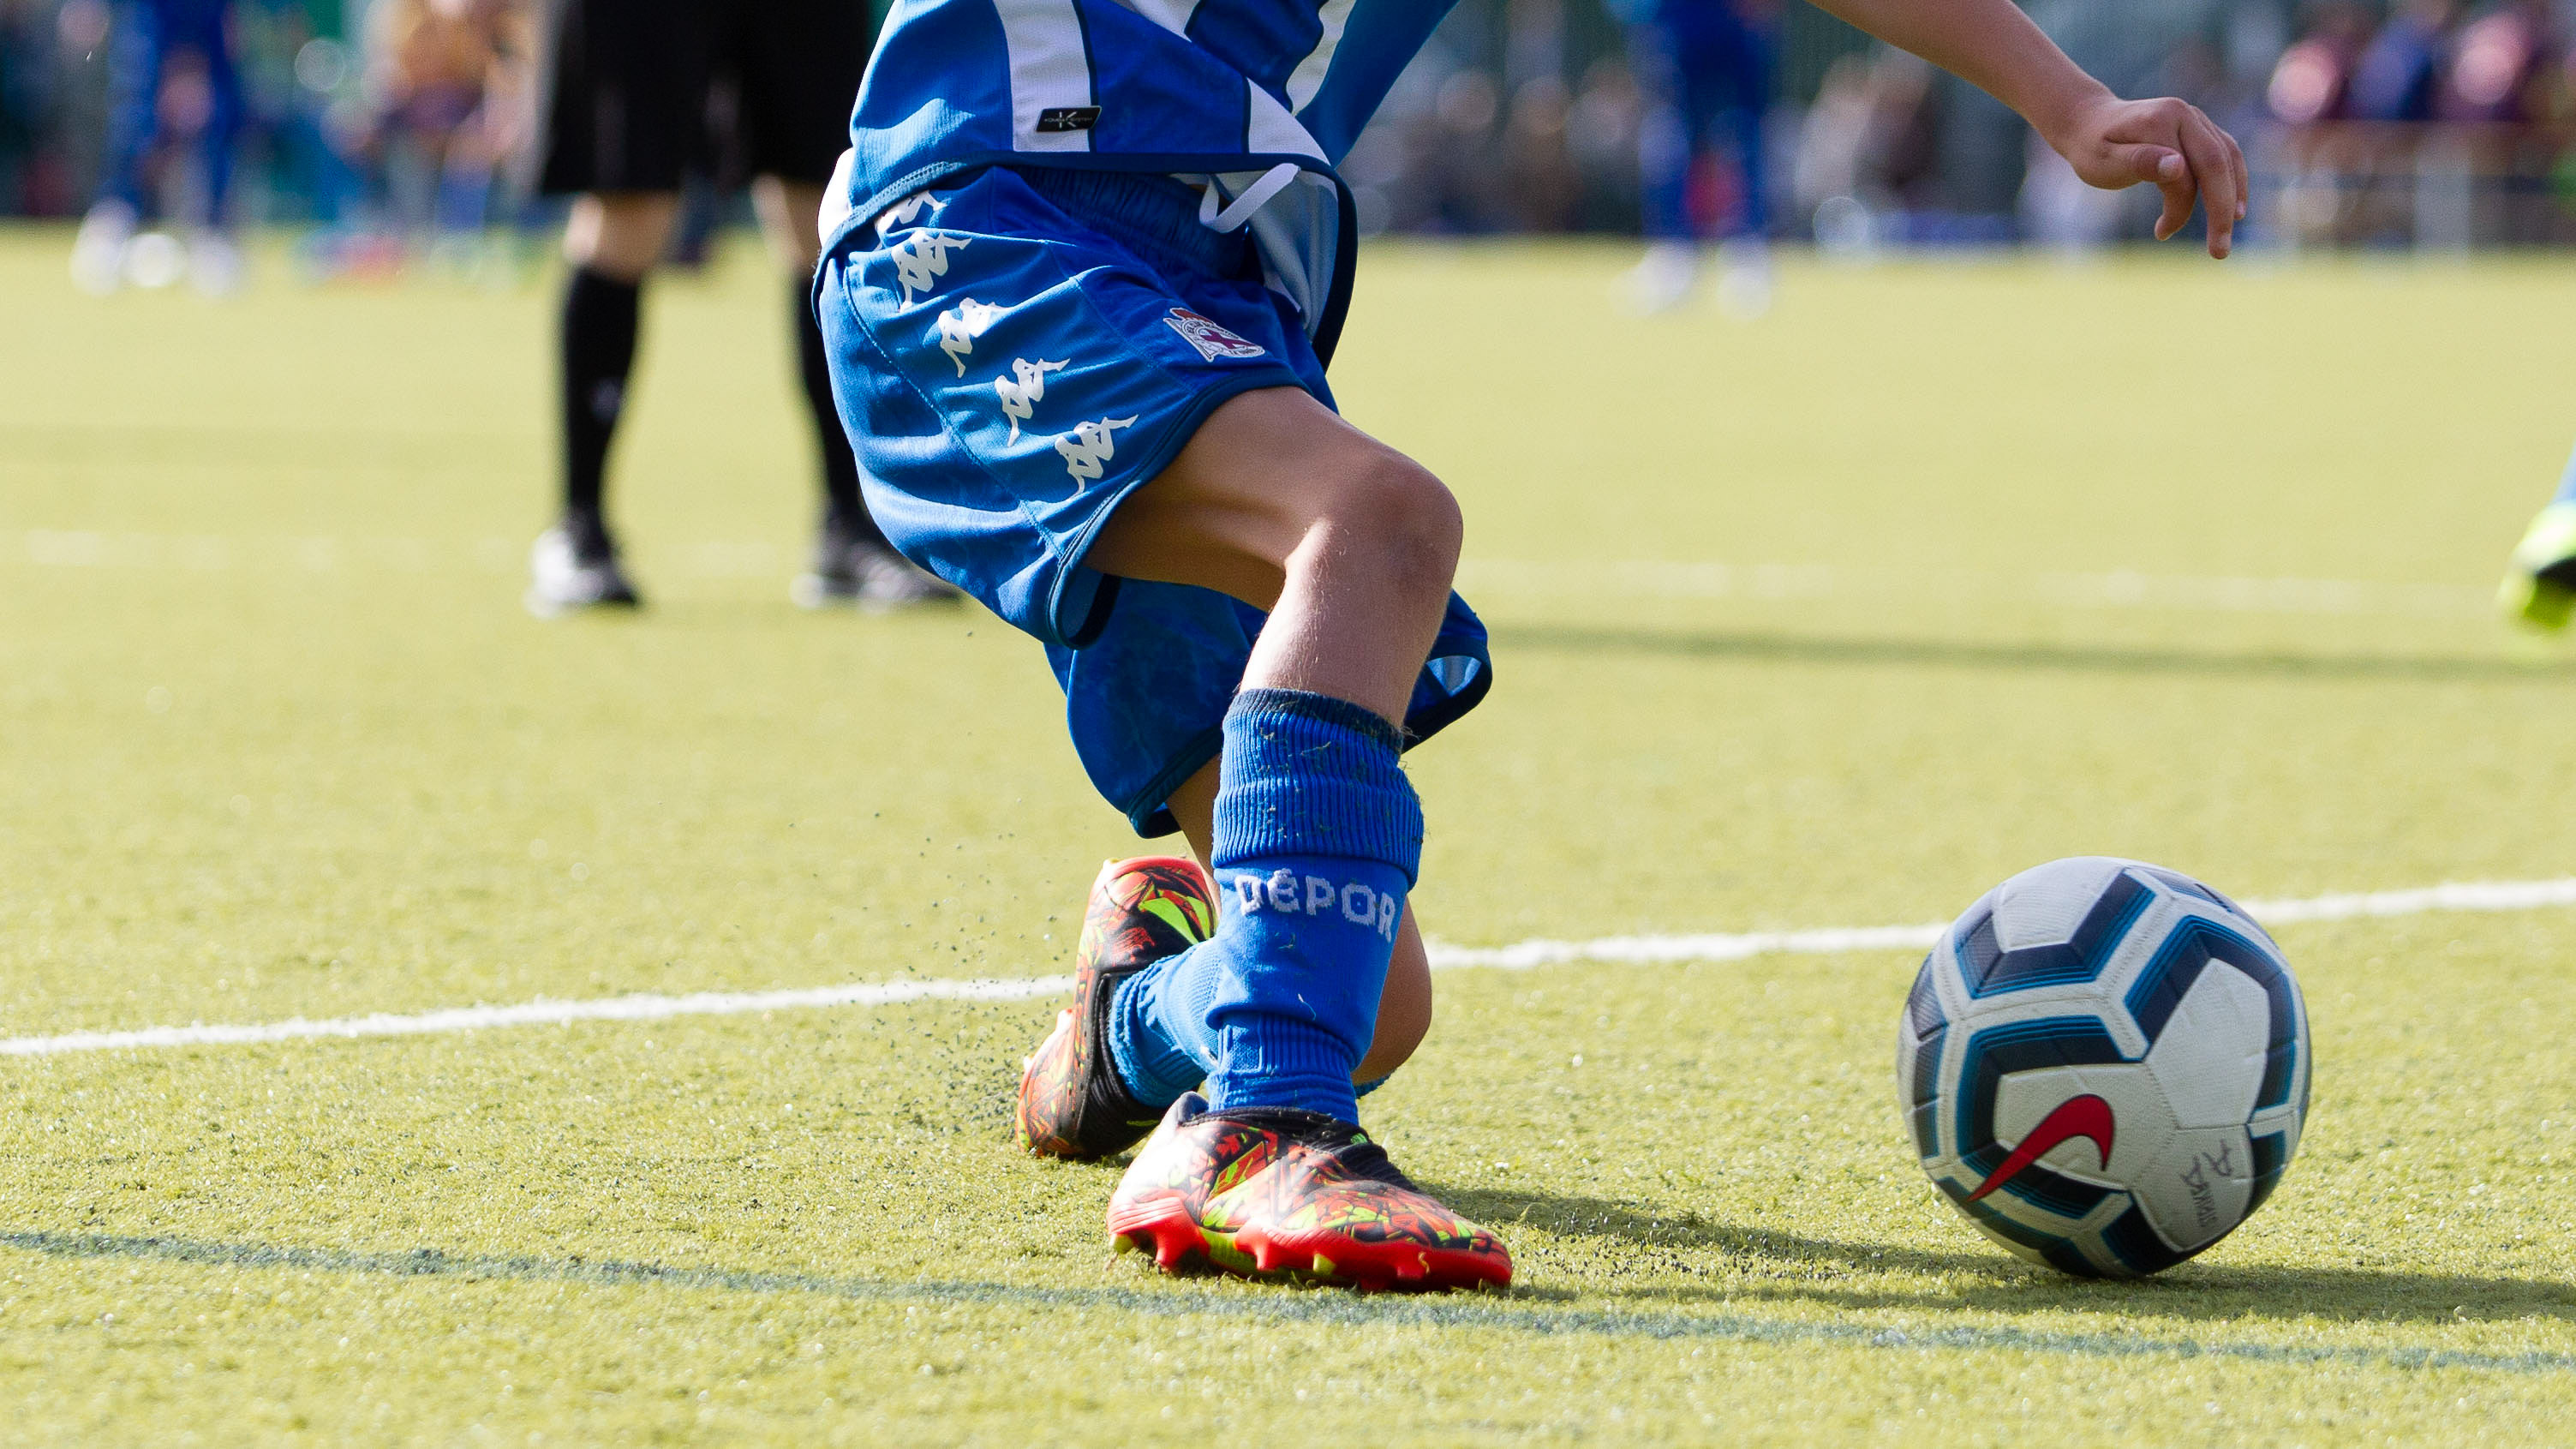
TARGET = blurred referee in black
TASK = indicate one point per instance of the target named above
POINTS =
(641, 94)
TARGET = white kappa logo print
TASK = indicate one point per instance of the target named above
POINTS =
(959, 329)
(922, 259)
(1020, 398)
(1089, 445)
(1283, 892)
(904, 212)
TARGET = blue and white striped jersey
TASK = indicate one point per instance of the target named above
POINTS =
(1265, 96)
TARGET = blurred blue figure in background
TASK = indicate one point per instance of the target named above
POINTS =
(1707, 69)
(171, 78)
(2399, 72)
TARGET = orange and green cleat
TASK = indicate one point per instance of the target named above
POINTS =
(1072, 1103)
(1273, 1192)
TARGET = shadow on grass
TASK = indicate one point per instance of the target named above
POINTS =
(2000, 1283)
(1515, 1312)
(1971, 654)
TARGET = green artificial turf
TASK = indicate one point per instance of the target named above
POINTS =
(1830, 619)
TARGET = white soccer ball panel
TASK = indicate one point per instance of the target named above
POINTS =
(2024, 1099)
(2198, 1188)
(2209, 1059)
(2043, 906)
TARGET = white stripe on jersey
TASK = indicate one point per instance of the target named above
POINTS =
(1049, 70)
(1275, 132)
(1172, 15)
(1308, 77)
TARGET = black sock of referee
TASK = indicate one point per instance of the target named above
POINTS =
(843, 509)
(599, 324)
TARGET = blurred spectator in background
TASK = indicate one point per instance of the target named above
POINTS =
(26, 95)
(2500, 72)
(2371, 122)
(448, 104)
(2397, 75)
(2424, 131)
(1869, 149)
(174, 95)
(642, 94)
(1706, 68)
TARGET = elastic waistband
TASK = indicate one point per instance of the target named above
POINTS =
(1154, 214)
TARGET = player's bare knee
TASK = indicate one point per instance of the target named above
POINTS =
(1404, 521)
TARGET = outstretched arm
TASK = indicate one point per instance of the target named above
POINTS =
(2110, 142)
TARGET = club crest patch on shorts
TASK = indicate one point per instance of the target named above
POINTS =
(1211, 337)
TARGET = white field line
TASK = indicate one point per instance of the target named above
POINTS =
(1522, 956)
(643, 1006)
(1523, 578)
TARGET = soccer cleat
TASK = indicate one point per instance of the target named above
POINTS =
(2540, 588)
(1273, 1192)
(574, 566)
(1072, 1103)
(866, 573)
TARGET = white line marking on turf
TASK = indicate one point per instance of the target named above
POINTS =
(643, 1006)
(1521, 956)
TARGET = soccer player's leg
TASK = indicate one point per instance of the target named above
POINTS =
(795, 64)
(612, 241)
(1086, 409)
(853, 562)
(625, 113)
(2540, 584)
(1403, 1006)
(1315, 840)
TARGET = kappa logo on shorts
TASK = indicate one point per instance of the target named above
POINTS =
(1211, 337)
(921, 259)
(1285, 893)
(903, 213)
(958, 329)
(1089, 446)
(1020, 398)
(1068, 118)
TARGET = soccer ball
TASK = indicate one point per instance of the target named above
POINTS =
(2105, 1065)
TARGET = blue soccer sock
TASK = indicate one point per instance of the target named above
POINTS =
(1317, 838)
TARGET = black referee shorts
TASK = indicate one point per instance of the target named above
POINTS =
(643, 93)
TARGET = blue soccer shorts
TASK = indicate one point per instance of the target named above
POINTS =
(1016, 351)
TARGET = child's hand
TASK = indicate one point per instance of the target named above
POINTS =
(2114, 143)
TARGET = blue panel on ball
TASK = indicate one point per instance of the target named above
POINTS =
(2133, 1240)
(2175, 880)
(1928, 1028)
(1989, 969)
(2271, 1158)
